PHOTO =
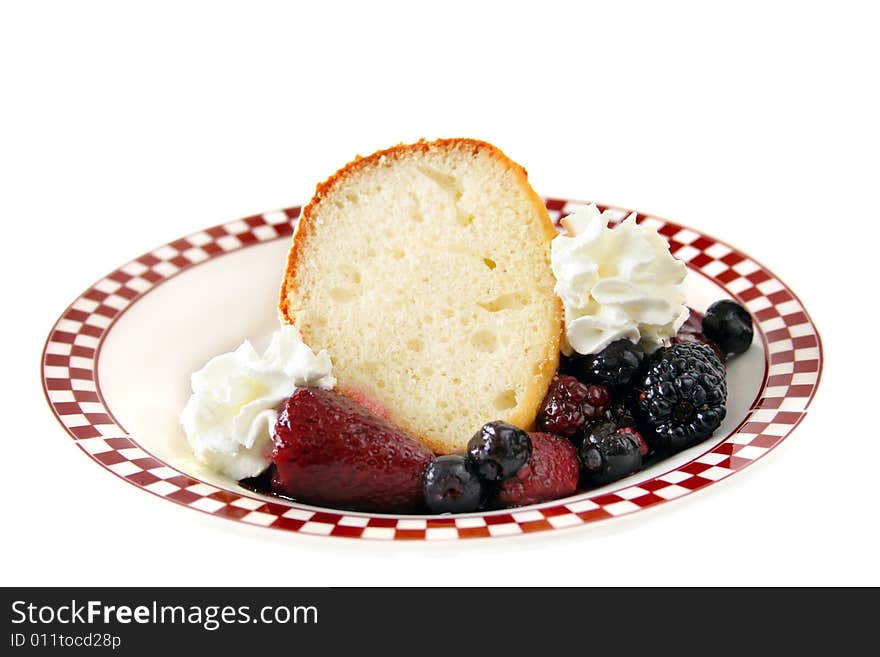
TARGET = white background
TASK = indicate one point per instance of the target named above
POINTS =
(127, 125)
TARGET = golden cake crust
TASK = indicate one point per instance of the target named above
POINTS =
(290, 302)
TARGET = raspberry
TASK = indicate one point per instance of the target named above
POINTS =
(570, 404)
(551, 472)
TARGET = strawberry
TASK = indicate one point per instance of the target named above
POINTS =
(330, 451)
(364, 399)
(550, 473)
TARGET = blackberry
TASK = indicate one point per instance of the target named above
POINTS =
(615, 366)
(682, 397)
(728, 325)
(609, 453)
(451, 485)
(498, 450)
(683, 336)
(570, 404)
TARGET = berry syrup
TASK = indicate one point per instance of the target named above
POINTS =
(692, 331)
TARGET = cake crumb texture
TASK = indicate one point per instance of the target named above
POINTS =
(424, 270)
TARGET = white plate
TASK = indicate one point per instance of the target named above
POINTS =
(117, 365)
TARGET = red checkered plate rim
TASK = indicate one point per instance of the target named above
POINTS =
(69, 367)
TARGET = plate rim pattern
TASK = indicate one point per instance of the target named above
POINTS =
(71, 355)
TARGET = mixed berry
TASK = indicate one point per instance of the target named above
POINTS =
(616, 366)
(499, 450)
(728, 325)
(452, 485)
(331, 451)
(569, 405)
(608, 453)
(683, 395)
(604, 417)
(551, 472)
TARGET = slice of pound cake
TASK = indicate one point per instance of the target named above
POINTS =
(424, 270)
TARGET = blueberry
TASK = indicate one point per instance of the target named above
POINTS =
(592, 433)
(451, 485)
(728, 325)
(498, 450)
(607, 454)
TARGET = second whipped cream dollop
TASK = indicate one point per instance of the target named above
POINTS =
(616, 283)
(229, 418)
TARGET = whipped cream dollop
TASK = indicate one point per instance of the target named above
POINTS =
(616, 282)
(230, 416)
